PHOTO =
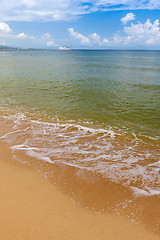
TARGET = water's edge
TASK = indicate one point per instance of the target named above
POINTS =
(102, 170)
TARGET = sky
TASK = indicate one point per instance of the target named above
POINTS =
(80, 24)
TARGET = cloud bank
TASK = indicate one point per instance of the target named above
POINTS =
(7, 33)
(53, 10)
(136, 35)
(91, 40)
(139, 35)
(144, 34)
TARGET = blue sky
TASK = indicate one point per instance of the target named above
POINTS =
(80, 24)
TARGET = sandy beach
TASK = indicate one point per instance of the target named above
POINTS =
(33, 209)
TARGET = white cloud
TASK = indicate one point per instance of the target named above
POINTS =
(51, 44)
(53, 10)
(22, 35)
(144, 34)
(95, 38)
(79, 36)
(129, 17)
(59, 15)
(105, 41)
(5, 29)
(92, 40)
(47, 40)
(46, 37)
(127, 4)
(140, 35)
(117, 39)
(7, 33)
(7, 36)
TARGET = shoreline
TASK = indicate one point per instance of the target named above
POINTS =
(33, 209)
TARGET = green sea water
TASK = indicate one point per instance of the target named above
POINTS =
(119, 89)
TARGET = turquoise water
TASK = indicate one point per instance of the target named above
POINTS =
(118, 89)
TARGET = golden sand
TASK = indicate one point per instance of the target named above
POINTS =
(33, 209)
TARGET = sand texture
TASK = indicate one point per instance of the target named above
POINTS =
(30, 208)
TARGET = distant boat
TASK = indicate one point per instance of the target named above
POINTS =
(64, 48)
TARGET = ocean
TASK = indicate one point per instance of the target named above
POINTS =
(89, 121)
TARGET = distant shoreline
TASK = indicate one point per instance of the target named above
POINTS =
(3, 48)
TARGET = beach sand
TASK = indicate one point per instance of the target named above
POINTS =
(31, 208)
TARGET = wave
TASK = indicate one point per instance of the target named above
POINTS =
(122, 159)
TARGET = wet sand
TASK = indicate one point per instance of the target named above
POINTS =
(33, 209)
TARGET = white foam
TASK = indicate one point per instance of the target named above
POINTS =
(153, 191)
(156, 164)
(9, 133)
(138, 191)
(23, 147)
(147, 192)
(38, 156)
(31, 153)
(79, 127)
(85, 147)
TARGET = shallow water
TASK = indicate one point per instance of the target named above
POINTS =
(113, 88)
(89, 121)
